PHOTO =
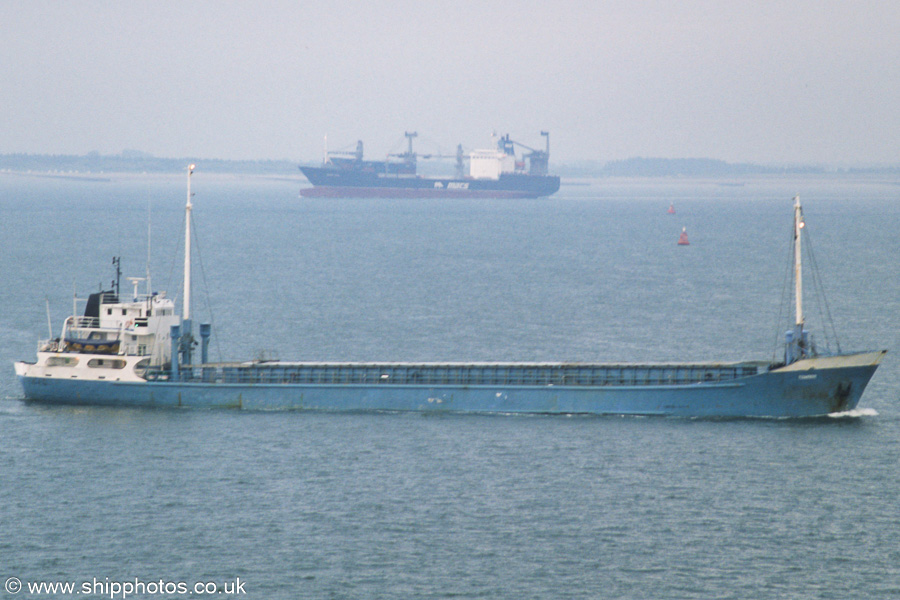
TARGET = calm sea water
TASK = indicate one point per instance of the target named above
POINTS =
(303, 505)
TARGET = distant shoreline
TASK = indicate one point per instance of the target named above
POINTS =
(106, 177)
(100, 167)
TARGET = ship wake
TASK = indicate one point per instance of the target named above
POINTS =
(856, 413)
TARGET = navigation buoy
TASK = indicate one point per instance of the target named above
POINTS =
(671, 210)
(682, 240)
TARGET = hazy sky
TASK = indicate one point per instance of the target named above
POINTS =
(759, 80)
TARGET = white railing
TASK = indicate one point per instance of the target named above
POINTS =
(48, 345)
(77, 322)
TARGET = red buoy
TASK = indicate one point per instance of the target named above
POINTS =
(682, 240)
(671, 210)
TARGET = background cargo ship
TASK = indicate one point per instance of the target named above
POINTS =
(479, 174)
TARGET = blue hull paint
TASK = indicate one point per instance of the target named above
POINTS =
(768, 394)
(330, 182)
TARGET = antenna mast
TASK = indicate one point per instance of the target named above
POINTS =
(149, 222)
(117, 263)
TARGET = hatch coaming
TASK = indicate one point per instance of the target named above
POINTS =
(474, 374)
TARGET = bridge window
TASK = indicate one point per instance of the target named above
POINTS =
(106, 363)
(62, 361)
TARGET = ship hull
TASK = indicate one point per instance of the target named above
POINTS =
(336, 183)
(808, 388)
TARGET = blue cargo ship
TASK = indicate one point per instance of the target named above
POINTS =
(479, 174)
(135, 350)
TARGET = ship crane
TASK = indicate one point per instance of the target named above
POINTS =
(410, 156)
(356, 154)
(509, 143)
(539, 160)
(410, 135)
(501, 160)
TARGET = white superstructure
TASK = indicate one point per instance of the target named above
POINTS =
(489, 164)
(114, 339)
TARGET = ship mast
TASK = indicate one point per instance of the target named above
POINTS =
(187, 248)
(797, 338)
(798, 266)
(149, 222)
(181, 335)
